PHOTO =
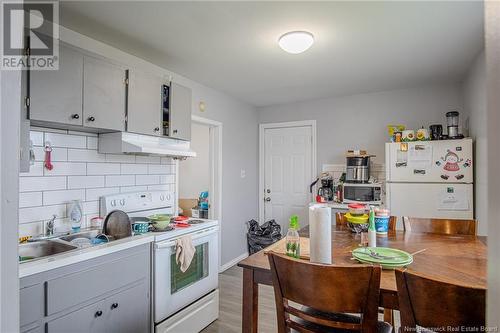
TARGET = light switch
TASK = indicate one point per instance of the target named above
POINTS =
(243, 173)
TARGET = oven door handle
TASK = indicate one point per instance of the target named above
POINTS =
(194, 236)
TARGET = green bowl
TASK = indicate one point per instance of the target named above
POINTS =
(160, 221)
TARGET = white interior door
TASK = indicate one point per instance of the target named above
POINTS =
(287, 173)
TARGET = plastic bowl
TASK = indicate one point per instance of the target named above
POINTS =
(357, 223)
(357, 209)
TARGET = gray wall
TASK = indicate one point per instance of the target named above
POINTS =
(474, 92)
(360, 121)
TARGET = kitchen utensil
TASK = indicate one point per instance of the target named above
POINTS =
(141, 227)
(117, 224)
(452, 118)
(436, 131)
(326, 189)
(408, 135)
(48, 159)
(386, 257)
(81, 242)
(160, 221)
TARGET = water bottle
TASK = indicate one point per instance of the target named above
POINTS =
(293, 238)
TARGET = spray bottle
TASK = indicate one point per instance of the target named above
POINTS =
(372, 232)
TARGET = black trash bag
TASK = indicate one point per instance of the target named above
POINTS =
(259, 237)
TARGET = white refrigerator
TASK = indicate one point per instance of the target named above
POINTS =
(431, 179)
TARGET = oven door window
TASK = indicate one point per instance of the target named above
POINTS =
(196, 271)
(358, 193)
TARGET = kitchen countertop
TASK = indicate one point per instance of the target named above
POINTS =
(74, 256)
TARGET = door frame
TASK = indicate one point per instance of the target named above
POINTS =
(215, 161)
(262, 129)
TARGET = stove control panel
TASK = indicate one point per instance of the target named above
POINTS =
(136, 201)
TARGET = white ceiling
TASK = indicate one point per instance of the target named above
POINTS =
(232, 46)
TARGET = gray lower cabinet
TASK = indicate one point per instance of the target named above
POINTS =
(105, 294)
(144, 103)
(104, 88)
(56, 96)
(180, 112)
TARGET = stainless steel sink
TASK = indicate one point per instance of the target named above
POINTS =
(43, 248)
(89, 234)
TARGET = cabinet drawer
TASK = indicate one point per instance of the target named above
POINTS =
(70, 290)
(31, 304)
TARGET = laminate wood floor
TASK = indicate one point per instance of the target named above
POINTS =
(230, 289)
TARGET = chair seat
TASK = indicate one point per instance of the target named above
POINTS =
(382, 326)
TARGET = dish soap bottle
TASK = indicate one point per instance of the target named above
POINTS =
(292, 238)
(75, 215)
(372, 232)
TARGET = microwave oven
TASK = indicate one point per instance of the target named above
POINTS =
(366, 193)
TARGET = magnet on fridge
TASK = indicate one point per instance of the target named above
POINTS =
(403, 146)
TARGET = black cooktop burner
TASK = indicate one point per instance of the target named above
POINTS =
(169, 228)
(195, 221)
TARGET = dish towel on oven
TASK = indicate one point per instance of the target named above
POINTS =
(184, 252)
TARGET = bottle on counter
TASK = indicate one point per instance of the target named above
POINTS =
(293, 238)
(75, 215)
(372, 232)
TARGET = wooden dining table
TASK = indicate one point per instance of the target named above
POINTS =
(455, 259)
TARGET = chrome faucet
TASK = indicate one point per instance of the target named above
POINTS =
(49, 227)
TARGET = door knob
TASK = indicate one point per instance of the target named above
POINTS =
(175, 131)
(98, 314)
(75, 116)
(268, 191)
(267, 199)
(114, 305)
(91, 119)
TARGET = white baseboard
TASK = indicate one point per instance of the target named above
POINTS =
(232, 262)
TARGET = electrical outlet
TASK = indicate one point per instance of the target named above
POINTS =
(243, 173)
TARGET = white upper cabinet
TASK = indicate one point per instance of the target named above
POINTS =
(180, 112)
(56, 96)
(103, 95)
(144, 103)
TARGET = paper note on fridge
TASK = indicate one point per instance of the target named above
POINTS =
(420, 156)
(453, 199)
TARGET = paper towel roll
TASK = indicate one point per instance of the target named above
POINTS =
(320, 234)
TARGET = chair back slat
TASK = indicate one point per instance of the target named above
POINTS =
(440, 226)
(326, 288)
(436, 304)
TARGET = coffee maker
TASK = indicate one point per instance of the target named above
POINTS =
(326, 189)
(452, 125)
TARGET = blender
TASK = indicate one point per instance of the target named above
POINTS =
(452, 125)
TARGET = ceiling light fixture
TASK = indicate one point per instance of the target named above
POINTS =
(296, 41)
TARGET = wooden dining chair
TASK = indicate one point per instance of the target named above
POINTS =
(326, 293)
(438, 305)
(440, 226)
(340, 219)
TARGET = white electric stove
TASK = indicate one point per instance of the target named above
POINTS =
(182, 301)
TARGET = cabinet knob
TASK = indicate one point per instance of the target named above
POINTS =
(75, 116)
(157, 129)
(174, 131)
(98, 314)
(91, 119)
(114, 305)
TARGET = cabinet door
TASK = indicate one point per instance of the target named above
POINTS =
(91, 318)
(56, 96)
(144, 103)
(128, 311)
(180, 112)
(103, 95)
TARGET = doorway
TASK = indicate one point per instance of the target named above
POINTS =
(287, 166)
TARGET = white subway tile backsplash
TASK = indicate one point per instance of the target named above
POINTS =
(122, 180)
(123, 158)
(147, 180)
(93, 194)
(103, 169)
(91, 143)
(134, 169)
(30, 199)
(65, 140)
(147, 159)
(41, 213)
(85, 182)
(159, 169)
(27, 184)
(80, 172)
(66, 169)
(85, 155)
(64, 196)
(36, 138)
(125, 189)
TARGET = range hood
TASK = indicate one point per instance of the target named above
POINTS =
(131, 143)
